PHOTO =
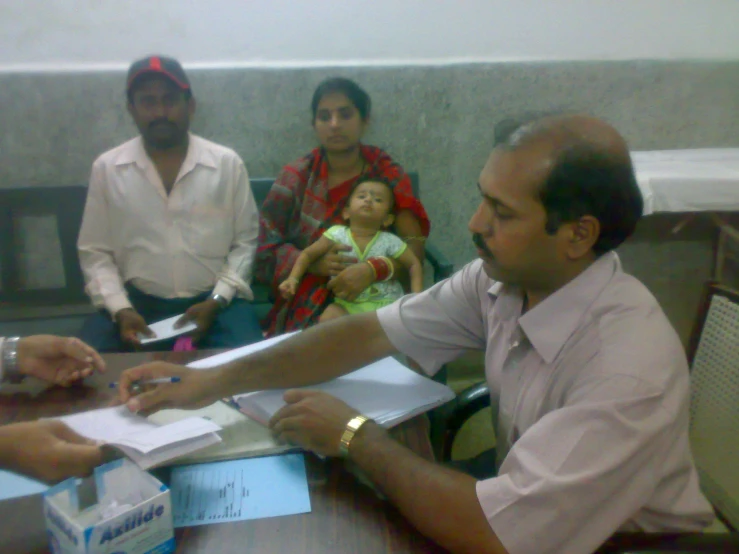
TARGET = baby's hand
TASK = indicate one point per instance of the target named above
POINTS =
(288, 288)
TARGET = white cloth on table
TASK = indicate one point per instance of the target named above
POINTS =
(696, 180)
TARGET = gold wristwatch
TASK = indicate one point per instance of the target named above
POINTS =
(351, 429)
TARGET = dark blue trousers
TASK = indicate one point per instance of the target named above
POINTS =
(235, 326)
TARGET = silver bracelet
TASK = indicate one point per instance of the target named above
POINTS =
(11, 373)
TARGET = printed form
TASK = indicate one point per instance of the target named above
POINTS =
(236, 490)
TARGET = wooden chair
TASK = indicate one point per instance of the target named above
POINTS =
(714, 428)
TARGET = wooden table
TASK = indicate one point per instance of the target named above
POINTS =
(346, 516)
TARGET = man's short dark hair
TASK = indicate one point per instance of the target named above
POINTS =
(585, 180)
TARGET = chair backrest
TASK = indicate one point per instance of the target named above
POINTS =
(714, 407)
(65, 205)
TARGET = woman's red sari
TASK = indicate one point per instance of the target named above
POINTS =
(296, 212)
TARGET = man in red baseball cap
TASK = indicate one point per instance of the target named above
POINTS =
(170, 226)
(160, 130)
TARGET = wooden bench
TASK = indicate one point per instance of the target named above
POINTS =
(60, 308)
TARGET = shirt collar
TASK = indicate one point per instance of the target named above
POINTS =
(552, 322)
(134, 153)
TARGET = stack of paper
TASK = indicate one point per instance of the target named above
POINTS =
(143, 441)
(242, 437)
(386, 391)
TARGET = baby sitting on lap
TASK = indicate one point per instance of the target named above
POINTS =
(369, 210)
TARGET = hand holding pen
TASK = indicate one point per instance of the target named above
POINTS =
(155, 386)
(137, 387)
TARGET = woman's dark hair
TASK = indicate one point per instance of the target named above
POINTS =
(368, 179)
(585, 180)
(356, 95)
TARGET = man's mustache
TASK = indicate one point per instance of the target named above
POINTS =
(480, 243)
(161, 122)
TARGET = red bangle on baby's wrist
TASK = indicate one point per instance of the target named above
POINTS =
(381, 268)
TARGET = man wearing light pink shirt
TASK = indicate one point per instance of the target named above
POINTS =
(170, 225)
(588, 377)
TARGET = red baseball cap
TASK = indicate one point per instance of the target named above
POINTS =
(169, 67)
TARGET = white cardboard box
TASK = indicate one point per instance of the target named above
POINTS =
(133, 514)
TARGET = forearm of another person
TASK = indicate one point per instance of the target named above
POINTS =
(239, 265)
(96, 250)
(313, 356)
(440, 502)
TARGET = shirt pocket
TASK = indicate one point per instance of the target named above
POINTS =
(208, 230)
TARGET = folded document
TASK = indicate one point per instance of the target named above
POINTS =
(145, 442)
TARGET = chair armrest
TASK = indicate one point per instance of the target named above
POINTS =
(443, 268)
(468, 403)
(662, 543)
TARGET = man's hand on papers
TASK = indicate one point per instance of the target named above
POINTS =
(131, 325)
(58, 360)
(202, 314)
(313, 420)
(47, 450)
(195, 389)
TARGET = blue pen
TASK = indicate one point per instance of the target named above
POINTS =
(114, 385)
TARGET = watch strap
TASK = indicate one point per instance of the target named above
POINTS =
(351, 429)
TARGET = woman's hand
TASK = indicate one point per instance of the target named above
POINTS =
(348, 284)
(332, 262)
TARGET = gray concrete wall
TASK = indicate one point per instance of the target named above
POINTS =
(434, 120)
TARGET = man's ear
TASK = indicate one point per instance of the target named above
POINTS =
(191, 105)
(129, 108)
(583, 234)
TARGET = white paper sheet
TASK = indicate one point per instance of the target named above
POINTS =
(164, 329)
(385, 391)
(242, 437)
(145, 442)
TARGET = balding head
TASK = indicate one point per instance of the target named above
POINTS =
(568, 132)
(589, 172)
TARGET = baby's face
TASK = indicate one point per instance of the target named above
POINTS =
(371, 201)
